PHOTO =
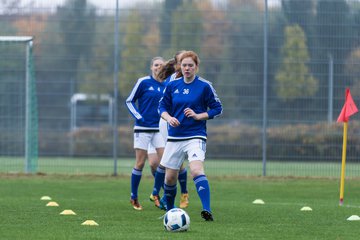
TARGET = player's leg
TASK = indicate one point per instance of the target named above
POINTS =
(196, 154)
(154, 163)
(184, 198)
(159, 144)
(202, 188)
(163, 127)
(172, 159)
(158, 184)
(170, 188)
(141, 142)
(136, 175)
(153, 159)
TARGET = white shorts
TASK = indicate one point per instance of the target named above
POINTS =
(163, 127)
(142, 140)
(151, 149)
(176, 152)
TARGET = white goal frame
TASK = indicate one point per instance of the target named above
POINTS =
(28, 40)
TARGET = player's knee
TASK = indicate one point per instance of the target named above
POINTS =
(139, 165)
(170, 179)
(196, 168)
(196, 172)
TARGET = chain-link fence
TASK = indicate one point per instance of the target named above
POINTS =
(280, 69)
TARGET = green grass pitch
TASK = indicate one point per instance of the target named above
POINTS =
(105, 200)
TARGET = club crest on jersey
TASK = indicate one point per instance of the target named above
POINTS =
(186, 91)
(159, 89)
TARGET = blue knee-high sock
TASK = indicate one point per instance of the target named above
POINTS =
(170, 193)
(159, 180)
(183, 180)
(135, 181)
(203, 190)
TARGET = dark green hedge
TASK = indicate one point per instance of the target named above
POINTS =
(313, 142)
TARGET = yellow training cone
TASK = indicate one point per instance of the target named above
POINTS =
(258, 201)
(68, 212)
(45, 198)
(306, 209)
(90, 223)
(52, 204)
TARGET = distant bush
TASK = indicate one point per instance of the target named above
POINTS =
(301, 142)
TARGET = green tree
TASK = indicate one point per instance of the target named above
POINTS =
(165, 22)
(186, 28)
(334, 26)
(96, 76)
(352, 69)
(133, 62)
(293, 78)
(12, 82)
(333, 22)
(356, 26)
(214, 26)
(303, 14)
(77, 24)
(241, 69)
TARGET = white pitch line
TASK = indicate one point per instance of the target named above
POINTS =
(305, 204)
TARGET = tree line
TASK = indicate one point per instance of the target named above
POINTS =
(74, 52)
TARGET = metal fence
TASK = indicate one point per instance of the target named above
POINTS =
(280, 69)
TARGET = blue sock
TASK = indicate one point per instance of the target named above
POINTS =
(183, 180)
(170, 193)
(203, 190)
(135, 181)
(159, 180)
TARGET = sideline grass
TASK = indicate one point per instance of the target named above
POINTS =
(105, 199)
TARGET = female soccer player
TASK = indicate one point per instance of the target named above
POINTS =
(147, 93)
(186, 105)
(168, 72)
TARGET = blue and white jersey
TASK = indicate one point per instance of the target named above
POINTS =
(170, 78)
(147, 92)
(200, 96)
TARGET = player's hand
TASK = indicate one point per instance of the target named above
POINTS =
(173, 122)
(190, 113)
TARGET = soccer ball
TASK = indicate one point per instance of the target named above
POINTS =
(176, 220)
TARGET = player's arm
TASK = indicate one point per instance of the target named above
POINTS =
(213, 103)
(171, 120)
(131, 100)
(196, 116)
(165, 105)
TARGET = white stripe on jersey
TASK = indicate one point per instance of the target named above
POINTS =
(214, 92)
(129, 103)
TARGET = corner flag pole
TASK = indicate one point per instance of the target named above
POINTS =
(348, 110)
(343, 161)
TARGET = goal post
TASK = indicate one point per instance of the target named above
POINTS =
(24, 94)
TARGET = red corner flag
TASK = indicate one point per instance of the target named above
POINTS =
(348, 109)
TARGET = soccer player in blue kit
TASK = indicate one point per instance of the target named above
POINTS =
(147, 92)
(169, 71)
(186, 105)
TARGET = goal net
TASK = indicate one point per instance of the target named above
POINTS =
(18, 105)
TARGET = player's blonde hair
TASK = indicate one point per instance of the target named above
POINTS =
(156, 58)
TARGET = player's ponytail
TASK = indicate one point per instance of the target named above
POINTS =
(166, 70)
